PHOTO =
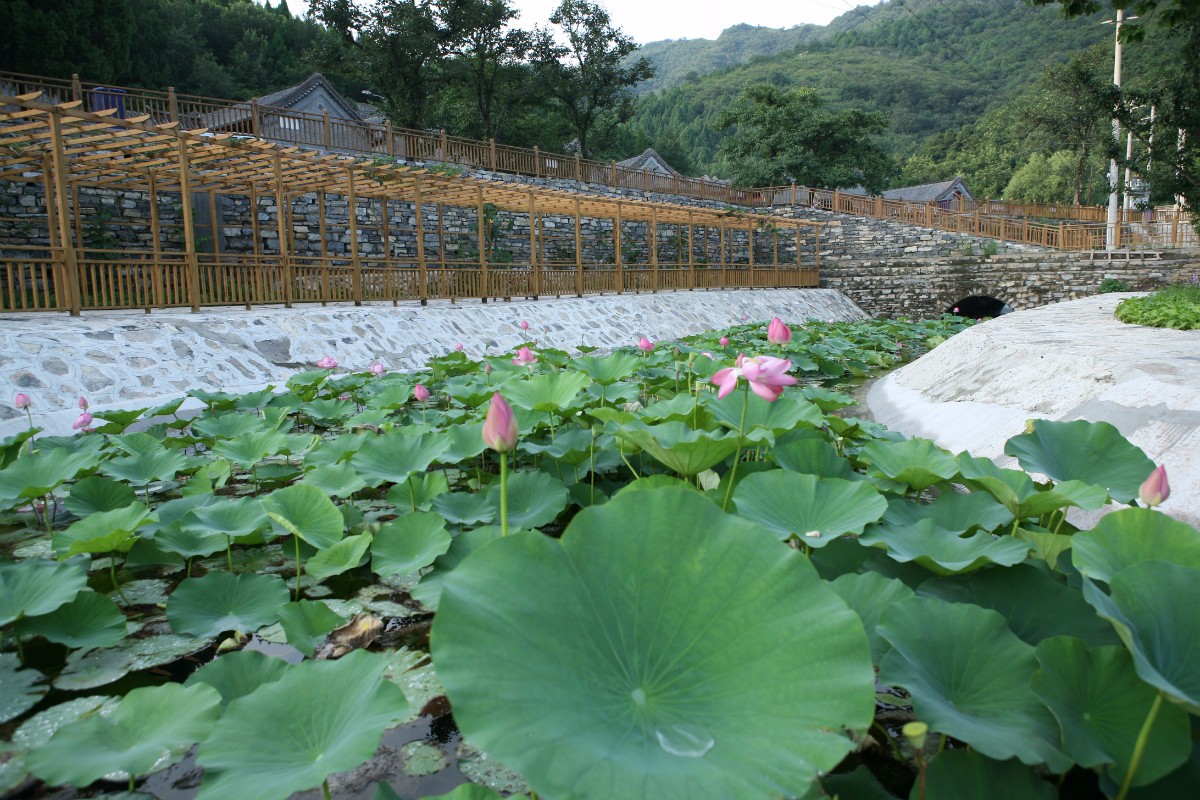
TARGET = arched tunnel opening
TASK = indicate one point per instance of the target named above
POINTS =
(979, 306)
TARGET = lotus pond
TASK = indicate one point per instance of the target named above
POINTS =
(646, 590)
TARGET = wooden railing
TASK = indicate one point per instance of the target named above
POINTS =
(1015, 222)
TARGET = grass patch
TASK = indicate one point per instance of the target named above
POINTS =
(1175, 307)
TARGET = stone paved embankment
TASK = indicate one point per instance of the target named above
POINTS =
(129, 359)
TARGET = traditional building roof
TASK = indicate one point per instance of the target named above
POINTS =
(649, 161)
(314, 94)
(931, 192)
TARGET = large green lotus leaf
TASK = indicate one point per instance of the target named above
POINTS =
(918, 463)
(813, 456)
(869, 594)
(41, 473)
(679, 448)
(251, 447)
(90, 620)
(146, 724)
(679, 408)
(36, 586)
(606, 370)
(1130, 536)
(343, 555)
(329, 410)
(344, 707)
(534, 499)
(786, 413)
(335, 480)
(1101, 704)
(1047, 547)
(465, 508)
(98, 494)
(408, 544)
(239, 673)
(662, 672)
(393, 457)
(951, 511)
(306, 623)
(858, 784)
(827, 399)
(466, 441)
(38, 729)
(143, 468)
(429, 591)
(571, 445)
(122, 418)
(232, 518)
(1035, 604)
(1155, 607)
(556, 391)
(306, 512)
(795, 504)
(133, 443)
(336, 450)
(228, 426)
(968, 676)
(20, 689)
(190, 542)
(418, 492)
(1092, 452)
(961, 774)
(942, 552)
(393, 396)
(220, 601)
(87, 669)
(102, 532)
(1008, 486)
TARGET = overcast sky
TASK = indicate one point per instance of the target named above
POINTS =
(651, 20)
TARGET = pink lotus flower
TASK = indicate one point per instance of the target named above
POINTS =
(524, 324)
(378, 369)
(1155, 489)
(500, 430)
(22, 400)
(327, 362)
(344, 396)
(706, 354)
(525, 358)
(723, 341)
(458, 346)
(956, 309)
(765, 374)
(778, 333)
(421, 393)
(83, 403)
(645, 344)
(84, 421)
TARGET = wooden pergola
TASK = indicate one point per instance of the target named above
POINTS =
(66, 150)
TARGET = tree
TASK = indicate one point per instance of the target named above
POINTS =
(788, 135)
(1046, 180)
(588, 78)
(488, 55)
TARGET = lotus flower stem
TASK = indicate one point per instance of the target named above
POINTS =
(592, 463)
(131, 783)
(325, 788)
(229, 552)
(738, 455)
(504, 493)
(412, 498)
(1139, 747)
(297, 540)
(621, 452)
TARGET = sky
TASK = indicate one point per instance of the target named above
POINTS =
(652, 20)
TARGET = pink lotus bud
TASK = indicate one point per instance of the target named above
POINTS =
(22, 400)
(487, 368)
(645, 344)
(344, 396)
(378, 369)
(1155, 489)
(777, 332)
(524, 324)
(85, 419)
(458, 346)
(706, 354)
(500, 429)
(956, 309)
(421, 393)
(327, 362)
(525, 358)
(83, 403)
(723, 341)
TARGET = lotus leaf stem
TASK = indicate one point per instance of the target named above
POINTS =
(1139, 747)
(112, 573)
(325, 788)
(504, 494)
(738, 455)
(621, 452)
(296, 537)
(228, 553)
(592, 464)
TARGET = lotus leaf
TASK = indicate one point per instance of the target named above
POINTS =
(132, 738)
(554, 392)
(98, 494)
(408, 544)
(231, 518)
(145, 467)
(306, 512)
(336, 450)
(239, 673)
(220, 601)
(1101, 704)
(679, 448)
(952, 511)
(869, 595)
(918, 463)
(465, 508)
(1092, 452)
(103, 531)
(608, 370)
(826, 399)
(795, 504)
(41, 473)
(38, 729)
(943, 552)
(250, 448)
(394, 457)
(345, 710)
(306, 623)
(87, 669)
(36, 586)
(343, 555)
(326, 411)
(969, 678)
(786, 413)
(418, 492)
(960, 774)
(228, 426)
(534, 499)
(20, 689)
(658, 675)
(190, 542)
(335, 480)
(1130, 536)
(121, 418)
(90, 620)
(811, 456)
(466, 441)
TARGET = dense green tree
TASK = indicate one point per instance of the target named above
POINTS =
(1045, 180)
(790, 135)
(488, 57)
(61, 37)
(587, 77)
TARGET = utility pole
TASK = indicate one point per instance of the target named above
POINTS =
(1114, 177)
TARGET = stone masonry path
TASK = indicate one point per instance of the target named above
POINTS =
(1071, 360)
(128, 359)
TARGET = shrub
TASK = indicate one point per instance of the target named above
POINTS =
(1175, 307)
(1114, 285)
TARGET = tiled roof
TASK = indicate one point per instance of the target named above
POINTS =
(649, 160)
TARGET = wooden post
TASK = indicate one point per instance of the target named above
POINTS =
(1062, 243)
(578, 250)
(76, 87)
(285, 265)
(483, 265)
(612, 173)
(837, 196)
(578, 169)
(929, 215)
(645, 179)
(492, 154)
(977, 230)
(387, 249)
(60, 273)
(355, 260)
(391, 138)
(653, 242)
(794, 196)
(189, 227)
(617, 250)
(70, 257)
(422, 272)
(537, 162)
(445, 143)
(1175, 226)
(750, 250)
(1025, 230)
(691, 252)
(212, 221)
(533, 246)
(255, 120)
(156, 240)
(326, 130)
(721, 258)
(172, 105)
(878, 206)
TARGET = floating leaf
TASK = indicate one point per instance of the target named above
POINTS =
(221, 601)
(1101, 705)
(90, 620)
(418, 492)
(143, 468)
(534, 499)
(1091, 452)
(465, 508)
(657, 672)
(335, 480)
(918, 463)
(408, 544)
(969, 678)
(346, 706)
(942, 552)
(38, 729)
(306, 512)
(102, 532)
(796, 504)
(960, 774)
(98, 494)
(556, 391)
(228, 426)
(394, 457)
(20, 688)
(607, 370)
(37, 586)
(132, 739)
(39, 474)
(87, 669)
(339, 557)
(306, 624)
(251, 447)
(239, 673)
(1130, 536)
